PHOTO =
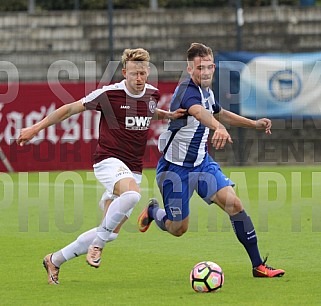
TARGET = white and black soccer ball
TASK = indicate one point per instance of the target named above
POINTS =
(207, 276)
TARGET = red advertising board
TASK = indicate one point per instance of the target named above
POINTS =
(66, 146)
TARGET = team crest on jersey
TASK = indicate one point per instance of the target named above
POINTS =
(175, 211)
(152, 105)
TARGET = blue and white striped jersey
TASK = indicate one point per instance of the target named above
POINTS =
(185, 141)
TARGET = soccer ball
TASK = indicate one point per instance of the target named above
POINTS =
(206, 276)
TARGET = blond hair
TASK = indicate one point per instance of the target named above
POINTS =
(137, 55)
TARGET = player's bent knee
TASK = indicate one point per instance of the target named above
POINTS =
(179, 230)
(238, 206)
(112, 237)
(179, 233)
(131, 198)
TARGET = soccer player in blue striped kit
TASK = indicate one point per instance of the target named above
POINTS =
(186, 166)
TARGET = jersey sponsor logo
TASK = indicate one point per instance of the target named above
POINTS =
(125, 107)
(137, 123)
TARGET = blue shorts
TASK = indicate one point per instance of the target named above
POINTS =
(177, 184)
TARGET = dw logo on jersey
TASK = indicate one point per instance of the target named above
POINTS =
(137, 123)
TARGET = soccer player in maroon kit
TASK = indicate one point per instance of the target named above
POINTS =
(126, 111)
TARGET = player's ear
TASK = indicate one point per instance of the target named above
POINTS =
(189, 69)
(123, 71)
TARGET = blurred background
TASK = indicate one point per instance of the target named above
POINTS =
(268, 65)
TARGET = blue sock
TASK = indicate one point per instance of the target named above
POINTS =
(245, 232)
(159, 215)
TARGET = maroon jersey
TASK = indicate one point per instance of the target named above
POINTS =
(124, 122)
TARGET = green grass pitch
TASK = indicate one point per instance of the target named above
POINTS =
(42, 212)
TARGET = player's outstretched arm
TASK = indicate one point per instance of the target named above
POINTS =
(233, 119)
(58, 115)
(264, 124)
(162, 114)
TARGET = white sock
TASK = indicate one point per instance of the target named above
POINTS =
(58, 259)
(115, 214)
(80, 245)
(160, 214)
(77, 247)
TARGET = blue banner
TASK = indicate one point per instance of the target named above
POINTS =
(269, 85)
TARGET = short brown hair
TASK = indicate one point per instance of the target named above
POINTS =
(138, 55)
(197, 49)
